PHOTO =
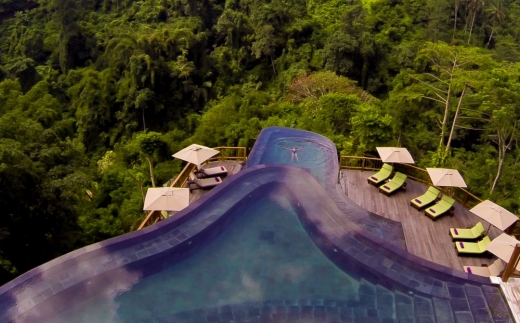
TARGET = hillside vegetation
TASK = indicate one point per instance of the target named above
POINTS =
(95, 93)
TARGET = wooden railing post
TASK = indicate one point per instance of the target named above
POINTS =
(511, 265)
(146, 220)
(363, 164)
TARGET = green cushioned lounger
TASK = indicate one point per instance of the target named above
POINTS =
(383, 174)
(468, 234)
(473, 248)
(426, 199)
(395, 184)
(440, 208)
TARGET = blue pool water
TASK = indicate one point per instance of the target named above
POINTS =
(265, 254)
(310, 155)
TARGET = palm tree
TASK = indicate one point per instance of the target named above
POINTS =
(474, 6)
(496, 16)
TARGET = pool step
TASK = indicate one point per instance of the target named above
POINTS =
(373, 303)
(385, 303)
(467, 303)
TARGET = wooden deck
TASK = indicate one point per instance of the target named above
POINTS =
(424, 237)
(233, 167)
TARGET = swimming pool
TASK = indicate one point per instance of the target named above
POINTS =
(265, 254)
(272, 243)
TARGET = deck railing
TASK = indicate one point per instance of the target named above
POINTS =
(413, 172)
(238, 154)
(179, 181)
(230, 153)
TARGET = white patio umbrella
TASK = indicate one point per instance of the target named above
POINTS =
(503, 246)
(494, 214)
(166, 199)
(195, 154)
(446, 177)
(395, 155)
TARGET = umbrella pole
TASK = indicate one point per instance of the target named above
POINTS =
(511, 265)
(488, 229)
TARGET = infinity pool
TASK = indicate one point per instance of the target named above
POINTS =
(274, 243)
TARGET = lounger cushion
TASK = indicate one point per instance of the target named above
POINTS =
(440, 208)
(213, 171)
(492, 270)
(383, 174)
(206, 182)
(473, 247)
(396, 183)
(427, 198)
(468, 234)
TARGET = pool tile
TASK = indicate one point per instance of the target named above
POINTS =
(476, 302)
(443, 310)
(464, 317)
(456, 291)
(459, 305)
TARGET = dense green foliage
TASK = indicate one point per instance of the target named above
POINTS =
(95, 95)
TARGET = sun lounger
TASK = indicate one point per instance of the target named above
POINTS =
(211, 172)
(440, 208)
(383, 174)
(468, 234)
(472, 248)
(426, 199)
(397, 182)
(495, 269)
(203, 182)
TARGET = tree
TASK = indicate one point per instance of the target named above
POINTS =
(264, 43)
(496, 16)
(371, 127)
(315, 85)
(474, 7)
(447, 73)
(500, 98)
(41, 177)
(149, 144)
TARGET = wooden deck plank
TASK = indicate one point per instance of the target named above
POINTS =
(424, 237)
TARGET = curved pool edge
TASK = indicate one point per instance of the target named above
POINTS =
(378, 225)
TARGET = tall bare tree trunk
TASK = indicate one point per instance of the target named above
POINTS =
(501, 159)
(152, 177)
(472, 23)
(456, 16)
(503, 146)
(445, 119)
(455, 118)
(138, 184)
(272, 64)
(144, 122)
(490, 36)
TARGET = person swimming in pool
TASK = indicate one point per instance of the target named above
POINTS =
(294, 152)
